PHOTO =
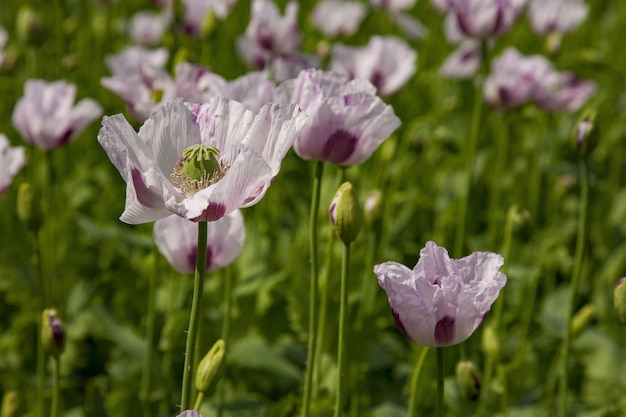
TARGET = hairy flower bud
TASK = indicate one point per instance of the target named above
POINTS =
(52, 332)
(27, 209)
(619, 300)
(468, 380)
(345, 213)
(210, 368)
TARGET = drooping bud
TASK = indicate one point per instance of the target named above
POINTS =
(210, 368)
(491, 343)
(468, 380)
(587, 133)
(11, 404)
(52, 332)
(27, 210)
(619, 300)
(345, 213)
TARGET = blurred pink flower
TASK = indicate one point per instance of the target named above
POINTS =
(338, 18)
(386, 61)
(12, 160)
(411, 27)
(562, 16)
(348, 122)
(147, 28)
(253, 90)
(250, 149)
(177, 240)
(271, 32)
(46, 115)
(133, 58)
(563, 92)
(482, 19)
(463, 62)
(393, 5)
(196, 12)
(441, 301)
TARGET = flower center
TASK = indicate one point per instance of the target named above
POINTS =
(199, 168)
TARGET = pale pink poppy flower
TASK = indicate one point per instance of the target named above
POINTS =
(246, 153)
(442, 301)
(386, 61)
(482, 19)
(272, 32)
(177, 240)
(133, 58)
(12, 160)
(463, 62)
(348, 122)
(196, 12)
(393, 5)
(338, 18)
(47, 117)
(253, 90)
(563, 92)
(562, 16)
(147, 28)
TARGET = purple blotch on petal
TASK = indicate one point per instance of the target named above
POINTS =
(339, 147)
(144, 196)
(214, 211)
(444, 331)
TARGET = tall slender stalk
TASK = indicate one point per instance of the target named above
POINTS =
(315, 203)
(576, 274)
(441, 374)
(228, 295)
(146, 375)
(56, 365)
(415, 377)
(343, 330)
(194, 320)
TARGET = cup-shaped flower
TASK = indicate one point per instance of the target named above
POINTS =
(463, 62)
(177, 240)
(561, 16)
(46, 115)
(347, 120)
(563, 92)
(249, 148)
(12, 160)
(386, 61)
(441, 301)
(482, 19)
(272, 32)
(338, 18)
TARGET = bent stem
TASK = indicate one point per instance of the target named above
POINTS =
(415, 377)
(343, 318)
(310, 366)
(440, 381)
(194, 319)
(576, 273)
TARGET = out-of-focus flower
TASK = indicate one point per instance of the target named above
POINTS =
(482, 19)
(386, 61)
(197, 12)
(253, 90)
(463, 62)
(441, 5)
(189, 413)
(338, 18)
(563, 92)
(199, 161)
(619, 300)
(12, 160)
(4, 37)
(562, 16)
(411, 27)
(348, 122)
(289, 66)
(52, 332)
(393, 5)
(441, 301)
(177, 240)
(587, 133)
(133, 58)
(46, 115)
(147, 28)
(272, 32)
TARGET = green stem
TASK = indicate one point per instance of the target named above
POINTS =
(228, 291)
(148, 345)
(576, 274)
(54, 407)
(501, 150)
(343, 338)
(415, 377)
(323, 310)
(194, 320)
(441, 374)
(315, 203)
(198, 403)
(470, 155)
(41, 373)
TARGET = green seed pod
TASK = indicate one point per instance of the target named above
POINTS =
(345, 213)
(619, 300)
(27, 210)
(468, 380)
(52, 332)
(11, 404)
(210, 368)
(200, 162)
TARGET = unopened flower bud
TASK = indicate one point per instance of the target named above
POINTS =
(491, 343)
(52, 332)
(582, 318)
(345, 213)
(209, 23)
(373, 206)
(28, 25)
(587, 133)
(27, 208)
(11, 404)
(619, 300)
(468, 380)
(210, 368)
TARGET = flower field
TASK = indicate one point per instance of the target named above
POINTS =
(241, 208)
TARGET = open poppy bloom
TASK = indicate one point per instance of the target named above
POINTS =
(441, 301)
(199, 161)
